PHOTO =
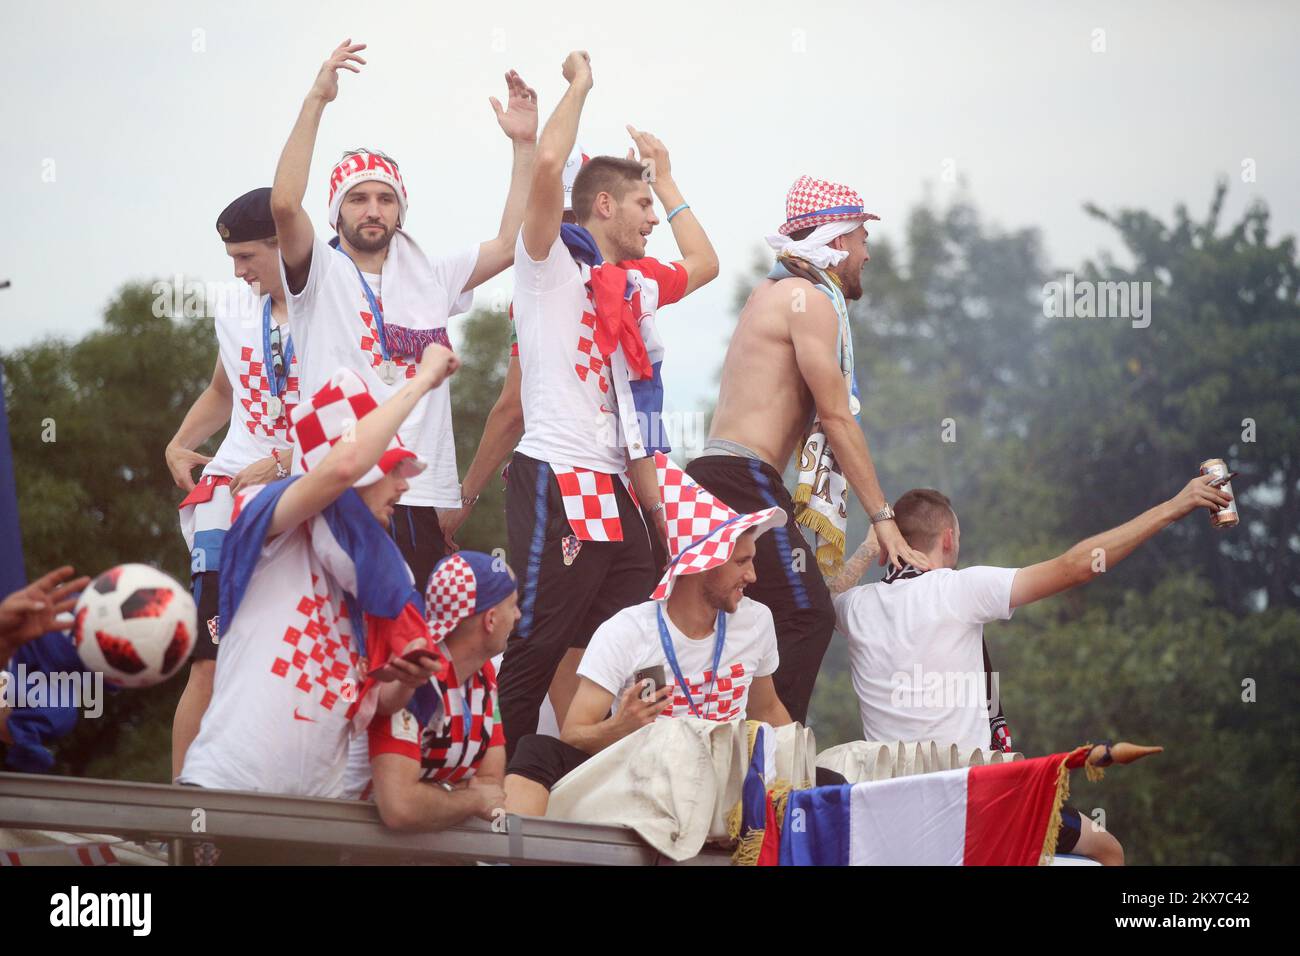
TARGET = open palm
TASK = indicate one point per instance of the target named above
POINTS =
(519, 118)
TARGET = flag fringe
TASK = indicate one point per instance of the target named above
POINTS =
(830, 554)
(1054, 820)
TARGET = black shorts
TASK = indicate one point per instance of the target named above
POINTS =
(789, 582)
(544, 759)
(560, 605)
(418, 534)
(1071, 826)
(206, 587)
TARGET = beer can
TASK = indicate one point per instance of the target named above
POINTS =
(1224, 517)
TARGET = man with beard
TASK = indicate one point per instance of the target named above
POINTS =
(371, 300)
(787, 383)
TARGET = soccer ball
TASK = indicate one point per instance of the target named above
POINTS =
(135, 625)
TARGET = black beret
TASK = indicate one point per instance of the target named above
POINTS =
(247, 218)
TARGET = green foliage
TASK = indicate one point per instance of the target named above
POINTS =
(88, 423)
(484, 351)
(1066, 426)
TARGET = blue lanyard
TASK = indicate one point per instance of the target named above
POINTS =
(467, 712)
(667, 642)
(268, 362)
(374, 305)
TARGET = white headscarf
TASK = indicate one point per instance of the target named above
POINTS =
(816, 247)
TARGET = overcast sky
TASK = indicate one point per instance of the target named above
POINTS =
(150, 117)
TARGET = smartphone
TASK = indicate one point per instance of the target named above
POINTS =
(387, 673)
(657, 673)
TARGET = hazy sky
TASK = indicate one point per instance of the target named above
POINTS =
(150, 117)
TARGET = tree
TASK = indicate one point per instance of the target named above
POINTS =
(1060, 427)
(88, 422)
(484, 351)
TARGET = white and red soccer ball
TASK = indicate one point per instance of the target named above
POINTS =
(134, 624)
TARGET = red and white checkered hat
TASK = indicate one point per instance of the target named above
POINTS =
(811, 202)
(702, 531)
(332, 413)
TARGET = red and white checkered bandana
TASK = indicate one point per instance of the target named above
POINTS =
(462, 585)
(811, 202)
(702, 531)
(332, 413)
(363, 166)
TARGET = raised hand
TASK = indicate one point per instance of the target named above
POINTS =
(437, 364)
(1200, 493)
(518, 120)
(577, 68)
(654, 154)
(327, 80)
(31, 611)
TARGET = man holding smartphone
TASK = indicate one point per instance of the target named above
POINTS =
(440, 759)
(699, 648)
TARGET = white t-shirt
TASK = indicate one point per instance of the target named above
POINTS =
(916, 653)
(284, 698)
(253, 432)
(578, 411)
(629, 641)
(333, 329)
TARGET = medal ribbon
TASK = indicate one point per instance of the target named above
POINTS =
(377, 312)
(268, 354)
(666, 641)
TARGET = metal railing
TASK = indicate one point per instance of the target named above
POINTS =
(291, 828)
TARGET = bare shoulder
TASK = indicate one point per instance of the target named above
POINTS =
(782, 302)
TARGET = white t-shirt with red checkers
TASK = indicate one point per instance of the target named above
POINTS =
(629, 641)
(578, 410)
(285, 696)
(333, 329)
(253, 432)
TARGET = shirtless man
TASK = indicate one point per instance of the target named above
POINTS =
(783, 371)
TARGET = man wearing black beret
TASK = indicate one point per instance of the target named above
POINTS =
(254, 387)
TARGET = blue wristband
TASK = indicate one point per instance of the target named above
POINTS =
(677, 210)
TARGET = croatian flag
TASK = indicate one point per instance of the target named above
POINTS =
(979, 816)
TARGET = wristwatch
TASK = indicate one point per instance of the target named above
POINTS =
(884, 514)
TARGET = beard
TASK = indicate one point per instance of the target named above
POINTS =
(363, 243)
(627, 240)
(850, 284)
(721, 599)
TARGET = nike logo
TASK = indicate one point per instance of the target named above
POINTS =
(607, 411)
(298, 716)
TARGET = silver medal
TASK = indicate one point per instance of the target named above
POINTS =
(388, 372)
(275, 407)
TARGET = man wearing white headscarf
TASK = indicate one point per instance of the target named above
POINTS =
(787, 384)
(371, 299)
